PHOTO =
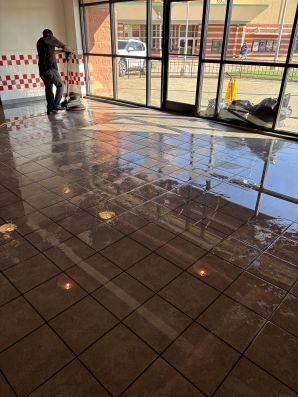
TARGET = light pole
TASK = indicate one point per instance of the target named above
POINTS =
(281, 21)
(186, 36)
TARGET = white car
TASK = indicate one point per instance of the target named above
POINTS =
(134, 48)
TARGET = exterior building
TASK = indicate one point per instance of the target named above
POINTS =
(263, 24)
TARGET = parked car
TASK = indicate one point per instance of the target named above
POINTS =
(133, 48)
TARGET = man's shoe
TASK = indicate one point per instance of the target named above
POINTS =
(58, 107)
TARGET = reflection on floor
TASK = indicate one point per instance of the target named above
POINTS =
(146, 254)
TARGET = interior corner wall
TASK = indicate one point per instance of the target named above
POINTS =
(21, 25)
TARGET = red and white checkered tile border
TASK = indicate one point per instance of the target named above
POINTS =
(27, 59)
(20, 82)
(19, 75)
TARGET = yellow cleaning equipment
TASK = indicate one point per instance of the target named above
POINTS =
(231, 94)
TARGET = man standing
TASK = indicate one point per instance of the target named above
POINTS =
(48, 69)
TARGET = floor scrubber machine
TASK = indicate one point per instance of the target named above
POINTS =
(71, 101)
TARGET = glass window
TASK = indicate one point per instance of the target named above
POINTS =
(97, 28)
(90, 1)
(131, 79)
(122, 44)
(155, 72)
(216, 46)
(264, 45)
(126, 15)
(261, 30)
(215, 29)
(156, 28)
(182, 79)
(295, 51)
(209, 89)
(288, 119)
(185, 27)
(100, 76)
(250, 94)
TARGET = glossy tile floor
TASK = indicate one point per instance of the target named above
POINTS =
(145, 254)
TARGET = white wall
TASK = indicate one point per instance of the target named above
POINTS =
(22, 22)
(21, 25)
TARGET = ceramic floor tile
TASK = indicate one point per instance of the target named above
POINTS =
(255, 236)
(189, 294)
(277, 352)
(31, 222)
(150, 211)
(152, 236)
(162, 380)
(100, 237)
(128, 222)
(276, 224)
(275, 270)
(18, 318)
(93, 272)
(55, 295)
(7, 290)
(83, 323)
(5, 388)
(170, 200)
(88, 199)
(79, 222)
(249, 380)
(286, 316)
(73, 380)
(292, 232)
(157, 322)
(181, 252)
(285, 249)
(232, 322)
(215, 271)
(181, 227)
(118, 358)
(60, 211)
(236, 252)
(122, 295)
(154, 271)
(31, 272)
(190, 354)
(8, 198)
(201, 236)
(16, 210)
(69, 252)
(43, 199)
(104, 206)
(40, 355)
(256, 294)
(14, 252)
(294, 290)
(48, 237)
(149, 191)
(131, 252)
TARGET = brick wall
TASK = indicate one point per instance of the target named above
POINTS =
(99, 41)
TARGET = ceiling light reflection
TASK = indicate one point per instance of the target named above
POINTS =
(202, 273)
(67, 190)
(106, 215)
(65, 283)
(7, 228)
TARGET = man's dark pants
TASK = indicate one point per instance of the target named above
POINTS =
(52, 77)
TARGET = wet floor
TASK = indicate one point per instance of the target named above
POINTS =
(145, 254)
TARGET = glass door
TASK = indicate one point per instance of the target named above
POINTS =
(185, 22)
